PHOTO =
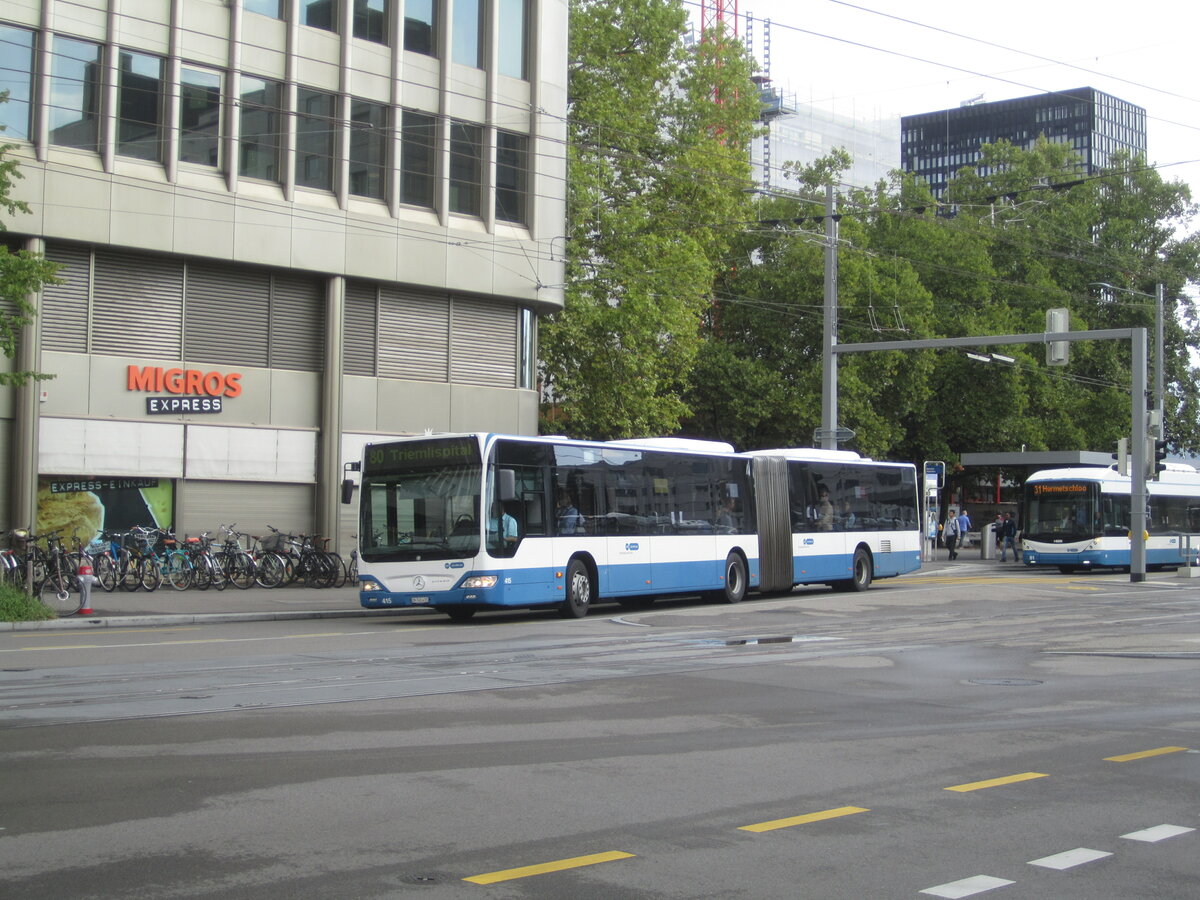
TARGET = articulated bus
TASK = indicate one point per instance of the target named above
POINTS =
(1080, 518)
(464, 522)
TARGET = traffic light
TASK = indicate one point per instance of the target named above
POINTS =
(1160, 456)
(1122, 456)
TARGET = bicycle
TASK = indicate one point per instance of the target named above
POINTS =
(206, 570)
(236, 564)
(55, 580)
(305, 561)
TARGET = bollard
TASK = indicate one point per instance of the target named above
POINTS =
(86, 579)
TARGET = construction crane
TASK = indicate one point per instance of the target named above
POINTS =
(719, 14)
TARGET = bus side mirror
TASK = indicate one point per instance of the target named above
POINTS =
(348, 482)
(507, 484)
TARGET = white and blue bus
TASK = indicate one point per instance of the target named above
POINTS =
(1080, 518)
(464, 522)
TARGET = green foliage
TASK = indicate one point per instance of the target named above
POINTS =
(1030, 236)
(21, 274)
(657, 171)
(17, 606)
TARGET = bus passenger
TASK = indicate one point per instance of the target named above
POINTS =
(824, 510)
(566, 516)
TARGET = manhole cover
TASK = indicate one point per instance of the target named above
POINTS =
(1005, 682)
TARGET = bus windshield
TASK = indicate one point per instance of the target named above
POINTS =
(421, 501)
(1062, 511)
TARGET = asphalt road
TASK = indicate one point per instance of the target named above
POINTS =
(967, 731)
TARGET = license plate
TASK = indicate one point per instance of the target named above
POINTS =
(417, 600)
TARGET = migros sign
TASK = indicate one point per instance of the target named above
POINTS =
(194, 391)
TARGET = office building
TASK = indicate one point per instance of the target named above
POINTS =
(286, 228)
(935, 145)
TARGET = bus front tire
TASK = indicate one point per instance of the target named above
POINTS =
(734, 589)
(459, 613)
(579, 591)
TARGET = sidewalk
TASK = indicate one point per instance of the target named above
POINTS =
(168, 607)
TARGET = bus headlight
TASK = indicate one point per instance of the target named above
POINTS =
(370, 584)
(480, 581)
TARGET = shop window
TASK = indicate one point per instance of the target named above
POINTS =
(417, 158)
(261, 124)
(199, 117)
(139, 131)
(466, 167)
(467, 33)
(75, 94)
(371, 20)
(369, 139)
(420, 26)
(512, 167)
(316, 131)
(16, 77)
(514, 38)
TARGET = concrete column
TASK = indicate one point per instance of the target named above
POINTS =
(28, 412)
(329, 452)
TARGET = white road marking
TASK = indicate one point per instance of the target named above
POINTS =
(1157, 833)
(967, 887)
(1069, 859)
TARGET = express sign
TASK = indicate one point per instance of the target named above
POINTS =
(190, 391)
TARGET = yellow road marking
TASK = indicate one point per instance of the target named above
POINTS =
(1081, 587)
(1145, 753)
(801, 820)
(995, 782)
(542, 868)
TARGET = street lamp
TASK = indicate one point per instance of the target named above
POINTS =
(1159, 348)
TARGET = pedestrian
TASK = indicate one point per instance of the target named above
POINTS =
(997, 529)
(1009, 531)
(950, 536)
(964, 526)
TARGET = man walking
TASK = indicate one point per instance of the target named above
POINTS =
(950, 536)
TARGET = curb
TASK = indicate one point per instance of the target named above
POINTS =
(79, 623)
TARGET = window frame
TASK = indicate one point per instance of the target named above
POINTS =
(272, 147)
(465, 178)
(191, 138)
(89, 107)
(126, 125)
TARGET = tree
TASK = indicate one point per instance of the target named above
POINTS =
(21, 274)
(1031, 235)
(658, 164)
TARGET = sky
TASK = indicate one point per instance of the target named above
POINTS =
(847, 58)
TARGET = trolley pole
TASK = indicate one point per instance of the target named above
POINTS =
(829, 364)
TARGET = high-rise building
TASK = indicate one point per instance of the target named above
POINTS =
(285, 228)
(935, 145)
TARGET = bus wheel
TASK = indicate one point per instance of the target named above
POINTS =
(735, 581)
(579, 591)
(862, 571)
(1067, 570)
(459, 613)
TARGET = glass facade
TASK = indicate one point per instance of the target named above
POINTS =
(1094, 124)
(321, 14)
(417, 158)
(369, 140)
(316, 137)
(467, 33)
(371, 20)
(513, 50)
(466, 167)
(140, 131)
(261, 139)
(16, 77)
(75, 79)
(199, 117)
(512, 167)
(421, 26)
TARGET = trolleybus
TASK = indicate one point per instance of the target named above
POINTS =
(464, 522)
(1080, 518)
